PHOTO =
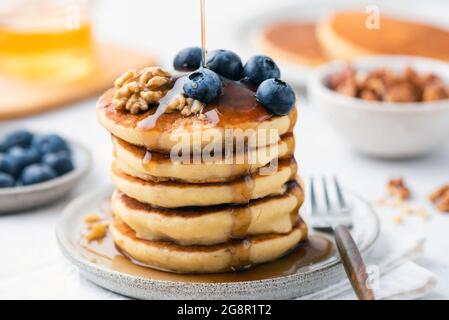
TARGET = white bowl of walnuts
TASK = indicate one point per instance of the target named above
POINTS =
(385, 106)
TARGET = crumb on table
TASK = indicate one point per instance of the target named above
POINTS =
(91, 218)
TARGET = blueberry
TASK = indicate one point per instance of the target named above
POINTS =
(50, 144)
(24, 157)
(60, 162)
(9, 165)
(188, 59)
(225, 63)
(277, 96)
(3, 146)
(203, 85)
(37, 173)
(21, 138)
(6, 180)
(260, 68)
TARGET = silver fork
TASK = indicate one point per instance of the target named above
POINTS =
(335, 216)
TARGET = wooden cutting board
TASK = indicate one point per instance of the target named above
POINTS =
(19, 98)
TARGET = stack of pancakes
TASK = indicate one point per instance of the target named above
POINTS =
(204, 216)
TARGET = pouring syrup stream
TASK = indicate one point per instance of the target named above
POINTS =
(203, 31)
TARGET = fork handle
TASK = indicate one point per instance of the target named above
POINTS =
(353, 263)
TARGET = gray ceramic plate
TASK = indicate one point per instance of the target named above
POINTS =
(304, 281)
(27, 197)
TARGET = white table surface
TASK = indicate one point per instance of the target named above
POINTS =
(31, 265)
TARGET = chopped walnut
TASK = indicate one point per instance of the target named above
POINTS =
(397, 189)
(434, 92)
(137, 90)
(97, 231)
(385, 85)
(440, 198)
(422, 212)
(186, 106)
(369, 95)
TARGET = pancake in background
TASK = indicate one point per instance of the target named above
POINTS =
(293, 42)
(344, 35)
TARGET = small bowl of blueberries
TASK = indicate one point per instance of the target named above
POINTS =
(37, 169)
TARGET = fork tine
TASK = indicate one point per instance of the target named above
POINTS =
(341, 198)
(313, 205)
(326, 194)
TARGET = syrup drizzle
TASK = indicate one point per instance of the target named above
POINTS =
(315, 250)
(150, 122)
(203, 31)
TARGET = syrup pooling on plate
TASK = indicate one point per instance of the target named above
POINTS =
(316, 250)
(106, 253)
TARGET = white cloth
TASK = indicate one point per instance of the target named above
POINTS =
(399, 277)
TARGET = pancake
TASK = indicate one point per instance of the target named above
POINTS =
(293, 42)
(176, 194)
(160, 167)
(345, 35)
(233, 255)
(235, 114)
(210, 225)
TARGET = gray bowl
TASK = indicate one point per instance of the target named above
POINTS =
(27, 197)
(304, 281)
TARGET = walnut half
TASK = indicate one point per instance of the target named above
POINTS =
(396, 188)
(137, 90)
(440, 198)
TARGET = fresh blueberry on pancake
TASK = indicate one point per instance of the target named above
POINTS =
(226, 63)
(37, 173)
(277, 96)
(6, 180)
(260, 68)
(21, 138)
(60, 162)
(203, 85)
(188, 59)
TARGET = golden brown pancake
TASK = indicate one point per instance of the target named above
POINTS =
(205, 259)
(210, 225)
(175, 194)
(344, 35)
(236, 108)
(157, 166)
(293, 42)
